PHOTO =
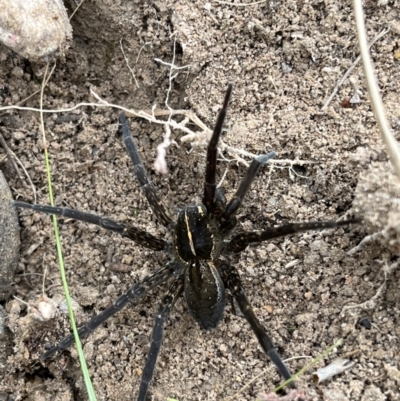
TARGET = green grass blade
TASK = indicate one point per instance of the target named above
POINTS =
(310, 365)
(85, 372)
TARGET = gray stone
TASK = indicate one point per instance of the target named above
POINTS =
(9, 239)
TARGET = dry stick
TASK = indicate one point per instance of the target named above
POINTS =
(160, 163)
(203, 136)
(150, 115)
(240, 4)
(370, 303)
(127, 64)
(23, 100)
(13, 158)
(232, 397)
(348, 72)
(31, 95)
(367, 240)
(172, 69)
(376, 101)
(76, 9)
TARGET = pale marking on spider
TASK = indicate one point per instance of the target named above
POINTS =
(189, 233)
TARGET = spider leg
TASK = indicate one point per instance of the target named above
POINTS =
(232, 281)
(240, 241)
(211, 166)
(147, 187)
(136, 291)
(227, 219)
(220, 197)
(161, 317)
(139, 236)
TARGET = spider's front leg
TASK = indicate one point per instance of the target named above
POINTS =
(212, 196)
(167, 303)
(232, 281)
(240, 241)
(147, 187)
(212, 150)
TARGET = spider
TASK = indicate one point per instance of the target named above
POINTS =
(202, 241)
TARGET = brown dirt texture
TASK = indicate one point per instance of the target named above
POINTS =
(284, 60)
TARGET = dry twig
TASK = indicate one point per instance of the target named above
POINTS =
(348, 72)
(391, 144)
(14, 160)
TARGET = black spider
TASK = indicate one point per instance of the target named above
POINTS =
(201, 244)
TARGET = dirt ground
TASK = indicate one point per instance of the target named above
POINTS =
(284, 60)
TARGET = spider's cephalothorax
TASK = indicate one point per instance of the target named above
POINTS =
(202, 235)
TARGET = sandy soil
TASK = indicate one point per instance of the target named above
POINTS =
(284, 61)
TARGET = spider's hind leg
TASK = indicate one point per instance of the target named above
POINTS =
(136, 291)
(232, 281)
(161, 317)
(147, 187)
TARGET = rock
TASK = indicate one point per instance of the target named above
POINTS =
(9, 239)
(376, 199)
(5, 347)
(38, 30)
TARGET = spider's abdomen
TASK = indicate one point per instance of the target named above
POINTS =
(194, 234)
(197, 244)
(204, 293)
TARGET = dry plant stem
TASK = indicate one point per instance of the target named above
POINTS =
(26, 99)
(127, 64)
(196, 138)
(172, 74)
(348, 72)
(76, 9)
(34, 93)
(367, 240)
(13, 158)
(377, 105)
(241, 4)
(234, 396)
(160, 163)
(370, 303)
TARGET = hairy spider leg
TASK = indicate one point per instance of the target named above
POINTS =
(232, 281)
(240, 241)
(211, 166)
(136, 291)
(167, 303)
(139, 236)
(228, 219)
(147, 187)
